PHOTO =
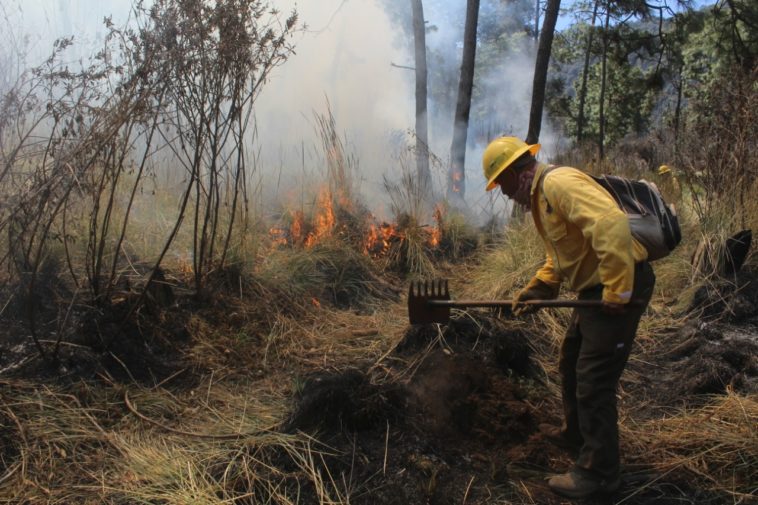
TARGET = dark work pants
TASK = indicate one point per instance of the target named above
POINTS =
(593, 355)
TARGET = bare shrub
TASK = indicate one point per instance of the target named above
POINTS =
(77, 146)
(217, 56)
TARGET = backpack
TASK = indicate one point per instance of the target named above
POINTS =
(652, 221)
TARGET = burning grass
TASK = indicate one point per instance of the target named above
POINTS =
(406, 246)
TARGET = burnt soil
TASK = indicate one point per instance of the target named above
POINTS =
(716, 350)
(452, 416)
(104, 344)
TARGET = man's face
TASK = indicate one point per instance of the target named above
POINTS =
(516, 185)
(508, 180)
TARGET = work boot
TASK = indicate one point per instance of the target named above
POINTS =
(580, 484)
(560, 438)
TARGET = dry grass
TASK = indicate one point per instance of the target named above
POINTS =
(715, 446)
(191, 452)
(506, 266)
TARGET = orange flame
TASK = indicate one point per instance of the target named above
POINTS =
(323, 222)
(457, 178)
(436, 236)
(389, 231)
(296, 230)
(278, 237)
(379, 239)
(371, 238)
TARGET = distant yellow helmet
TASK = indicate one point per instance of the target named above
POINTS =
(499, 155)
(664, 169)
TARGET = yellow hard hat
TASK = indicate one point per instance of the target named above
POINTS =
(500, 153)
(664, 169)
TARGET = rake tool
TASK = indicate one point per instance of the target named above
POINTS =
(429, 302)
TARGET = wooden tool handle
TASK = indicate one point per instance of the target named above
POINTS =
(508, 303)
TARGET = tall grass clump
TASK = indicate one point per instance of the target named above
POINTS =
(319, 251)
(330, 272)
(330, 205)
(341, 165)
(412, 204)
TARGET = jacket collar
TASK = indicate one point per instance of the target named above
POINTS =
(537, 176)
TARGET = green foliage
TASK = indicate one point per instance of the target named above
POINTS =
(654, 70)
(628, 102)
(736, 24)
(715, 43)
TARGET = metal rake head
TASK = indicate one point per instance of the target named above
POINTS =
(420, 294)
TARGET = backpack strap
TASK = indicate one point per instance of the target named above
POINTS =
(535, 209)
(541, 184)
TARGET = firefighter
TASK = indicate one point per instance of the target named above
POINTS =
(670, 187)
(589, 247)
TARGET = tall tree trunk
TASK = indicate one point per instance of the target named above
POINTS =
(603, 82)
(422, 128)
(457, 183)
(540, 70)
(678, 109)
(537, 20)
(585, 74)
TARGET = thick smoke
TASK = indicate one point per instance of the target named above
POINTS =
(349, 60)
(343, 62)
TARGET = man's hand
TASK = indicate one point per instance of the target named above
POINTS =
(535, 290)
(613, 309)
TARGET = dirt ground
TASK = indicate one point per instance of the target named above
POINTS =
(448, 415)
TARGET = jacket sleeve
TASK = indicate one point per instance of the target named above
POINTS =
(589, 207)
(547, 273)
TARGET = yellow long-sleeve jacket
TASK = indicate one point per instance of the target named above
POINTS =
(586, 234)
